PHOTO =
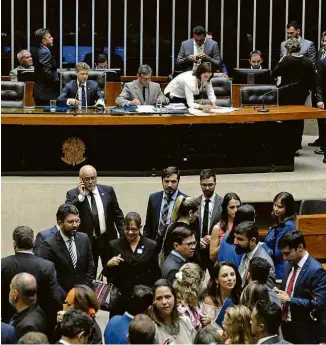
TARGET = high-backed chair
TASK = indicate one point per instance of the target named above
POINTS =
(12, 94)
(223, 91)
(98, 76)
(313, 207)
(258, 94)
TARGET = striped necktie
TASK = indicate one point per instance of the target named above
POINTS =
(72, 253)
(164, 214)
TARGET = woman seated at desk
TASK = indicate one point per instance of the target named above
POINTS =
(187, 85)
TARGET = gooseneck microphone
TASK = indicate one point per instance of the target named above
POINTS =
(263, 109)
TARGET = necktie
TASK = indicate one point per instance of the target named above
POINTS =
(144, 93)
(243, 268)
(204, 230)
(83, 97)
(323, 54)
(96, 221)
(72, 254)
(164, 214)
(289, 290)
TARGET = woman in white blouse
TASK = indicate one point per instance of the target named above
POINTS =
(187, 85)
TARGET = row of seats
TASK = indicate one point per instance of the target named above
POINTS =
(13, 93)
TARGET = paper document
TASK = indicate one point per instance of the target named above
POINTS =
(223, 110)
(176, 106)
(197, 112)
(145, 109)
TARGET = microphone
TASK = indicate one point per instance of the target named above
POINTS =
(263, 109)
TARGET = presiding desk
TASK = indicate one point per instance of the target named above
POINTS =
(38, 142)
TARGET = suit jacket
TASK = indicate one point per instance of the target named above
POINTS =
(275, 340)
(187, 48)
(113, 214)
(46, 86)
(8, 334)
(216, 213)
(171, 266)
(321, 82)
(319, 54)
(49, 294)
(41, 237)
(307, 49)
(261, 252)
(70, 90)
(133, 90)
(153, 214)
(32, 319)
(309, 300)
(138, 267)
(54, 249)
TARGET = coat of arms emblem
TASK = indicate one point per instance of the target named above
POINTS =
(73, 150)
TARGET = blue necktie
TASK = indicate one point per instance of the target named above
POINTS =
(83, 97)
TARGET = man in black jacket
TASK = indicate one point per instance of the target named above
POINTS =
(50, 295)
(22, 296)
(99, 211)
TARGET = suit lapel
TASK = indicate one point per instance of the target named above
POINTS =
(104, 198)
(139, 92)
(63, 249)
(301, 275)
(214, 212)
(89, 97)
(77, 242)
(157, 207)
(199, 213)
(287, 270)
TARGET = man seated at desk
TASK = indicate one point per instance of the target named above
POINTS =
(81, 92)
(25, 62)
(142, 90)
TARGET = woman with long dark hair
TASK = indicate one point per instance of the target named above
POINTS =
(227, 247)
(284, 220)
(230, 205)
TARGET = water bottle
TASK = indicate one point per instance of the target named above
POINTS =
(159, 104)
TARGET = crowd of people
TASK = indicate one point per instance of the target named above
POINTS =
(159, 273)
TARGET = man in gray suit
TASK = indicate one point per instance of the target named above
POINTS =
(184, 245)
(142, 90)
(197, 50)
(209, 214)
(246, 240)
(266, 318)
(307, 47)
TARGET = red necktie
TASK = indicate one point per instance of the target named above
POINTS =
(289, 290)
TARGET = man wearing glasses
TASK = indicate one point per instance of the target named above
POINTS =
(209, 215)
(100, 214)
(184, 245)
(142, 90)
(69, 250)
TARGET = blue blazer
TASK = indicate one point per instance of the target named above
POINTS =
(8, 334)
(70, 90)
(41, 237)
(309, 298)
(153, 214)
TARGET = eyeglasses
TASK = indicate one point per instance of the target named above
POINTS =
(145, 78)
(190, 244)
(77, 221)
(89, 179)
(133, 230)
(209, 185)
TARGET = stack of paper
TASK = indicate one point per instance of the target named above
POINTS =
(176, 106)
(223, 110)
(145, 109)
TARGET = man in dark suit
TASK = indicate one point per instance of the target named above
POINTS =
(160, 204)
(42, 236)
(209, 214)
(321, 101)
(50, 295)
(46, 86)
(81, 93)
(246, 240)
(100, 214)
(303, 292)
(197, 50)
(184, 246)
(22, 296)
(266, 318)
(70, 251)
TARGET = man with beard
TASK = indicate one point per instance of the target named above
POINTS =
(160, 204)
(99, 210)
(209, 215)
(246, 240)
(256, 59)
(70, 251)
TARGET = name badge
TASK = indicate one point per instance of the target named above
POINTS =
(140, 251)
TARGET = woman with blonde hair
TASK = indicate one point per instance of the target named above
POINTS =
(236, 325)
(188, 285)
(184, 213)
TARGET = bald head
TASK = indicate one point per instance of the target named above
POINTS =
(141, 330)
(88, 176)
(23, 287)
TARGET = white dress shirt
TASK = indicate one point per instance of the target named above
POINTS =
(79, 91)
(210, 210)
(185, 85)
(66, 240)
(100, 208)
(300, 265)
